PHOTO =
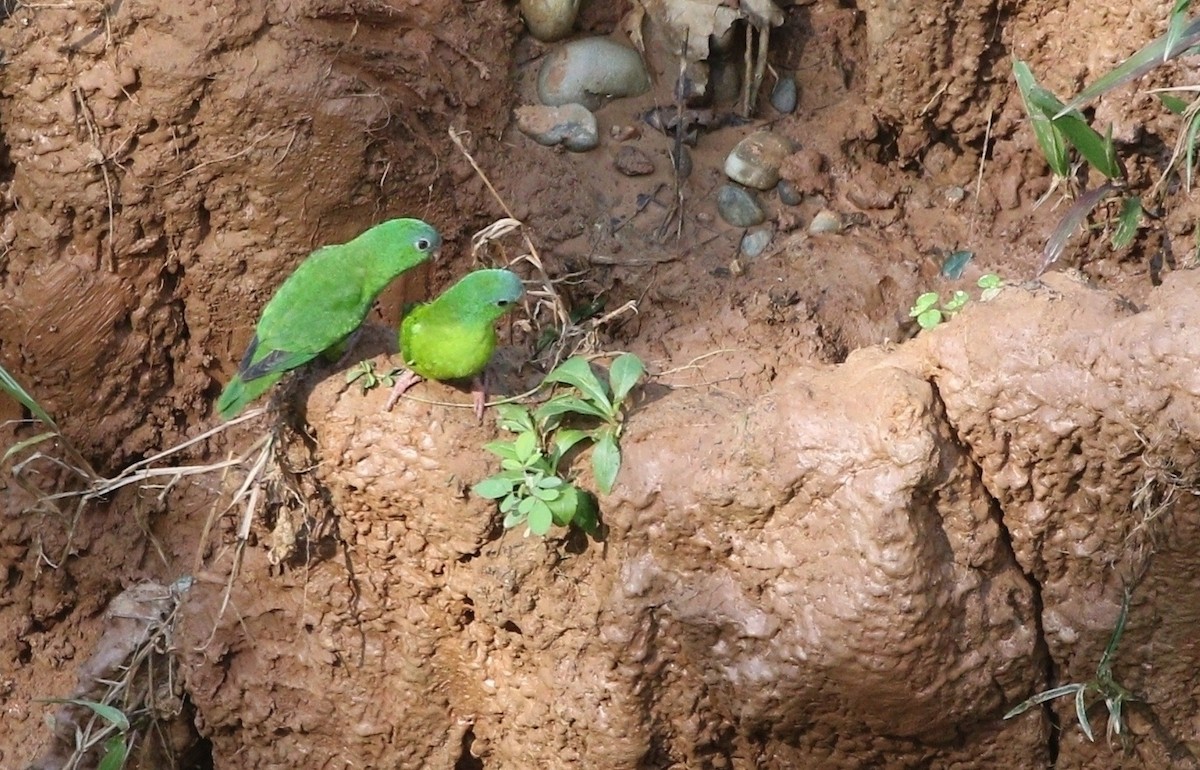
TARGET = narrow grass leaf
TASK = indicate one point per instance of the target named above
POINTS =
(1070, 223)
(1173, 103)
(22, 445)
(109, 713)
(1147, 58)
(578, 372)
(624, 374)
(1127, 222)
(1053, 145)
(14, 389)
(114, 754)
(1081, 714)
(1175, 26)
(606, 461)
(1193, 128)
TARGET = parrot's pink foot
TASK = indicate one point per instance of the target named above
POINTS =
(479, 394)
(403, 383)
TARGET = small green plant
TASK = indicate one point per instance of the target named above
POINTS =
(114, 734)
(366, 376)
(1102, 684)
(529, 486)
(929, 310)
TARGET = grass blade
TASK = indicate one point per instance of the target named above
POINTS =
(1146, 59)
(1127, 222)
(1081, 714)
(14, 389)
(1070, 223)
(1053, 145)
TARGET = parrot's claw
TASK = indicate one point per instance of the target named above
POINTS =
(479, 394)
(405, 381)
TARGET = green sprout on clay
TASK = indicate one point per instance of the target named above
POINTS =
(364, 373)
(530, 486)
(930, 310)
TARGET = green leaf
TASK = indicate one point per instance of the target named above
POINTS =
(624, 374)
(989, 281)
(544, 494)
(564, 439)
(526, 446)
(1175, 27)
(606, 461)
(513, 418)
(1096, 150)
(550, 482)
(926, 301)
(1193, 127)
(509, 503)
(540, 518)
(502, 449)
(1173, 103)
(957, 301)
(513, 518)
(493, 487)
(567, 404)
(526, 505)
(114, 754)
(14, 389)
(31, 441)
(587, 515)
(110, 714)
(578, 372)
(929, 319)
(1049, 138)
(1127, 222)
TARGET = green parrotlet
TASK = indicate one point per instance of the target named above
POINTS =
(323, 302)
(453, 337)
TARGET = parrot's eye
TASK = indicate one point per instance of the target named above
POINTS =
(423, 244)
(503, 303)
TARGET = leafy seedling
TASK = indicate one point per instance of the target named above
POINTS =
(929, 310)
(1102, 684)
(530, 487)
(366, 376)
(116, 747)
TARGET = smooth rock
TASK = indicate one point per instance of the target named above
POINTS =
(825, 221)
(756, 160)
(549, 20)
(571, 125)
(631, 161)
(739, 207)
(788, 194)
(756, 241)
(590, 70)
(783, 97)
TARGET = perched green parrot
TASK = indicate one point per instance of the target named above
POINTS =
(323, 302)
(452, 337)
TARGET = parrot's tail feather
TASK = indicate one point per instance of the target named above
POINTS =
(239, 393)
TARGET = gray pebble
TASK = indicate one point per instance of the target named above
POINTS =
(783, 97)
(788, 194)
(756, 241)
(739, 207)
(571, 125)
(756, 160)
(590, 70)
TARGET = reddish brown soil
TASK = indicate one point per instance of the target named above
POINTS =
(830, 545)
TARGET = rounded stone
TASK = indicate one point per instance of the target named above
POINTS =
(571, 125)
(589, 71)
(788, 194)
(756, 241)
(631, 161)
(739, 207)
(756, 160)
(825, 221)
(549, 20)
(783, 97)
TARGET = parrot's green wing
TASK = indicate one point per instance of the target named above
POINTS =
(323, 302)
(453, 336)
